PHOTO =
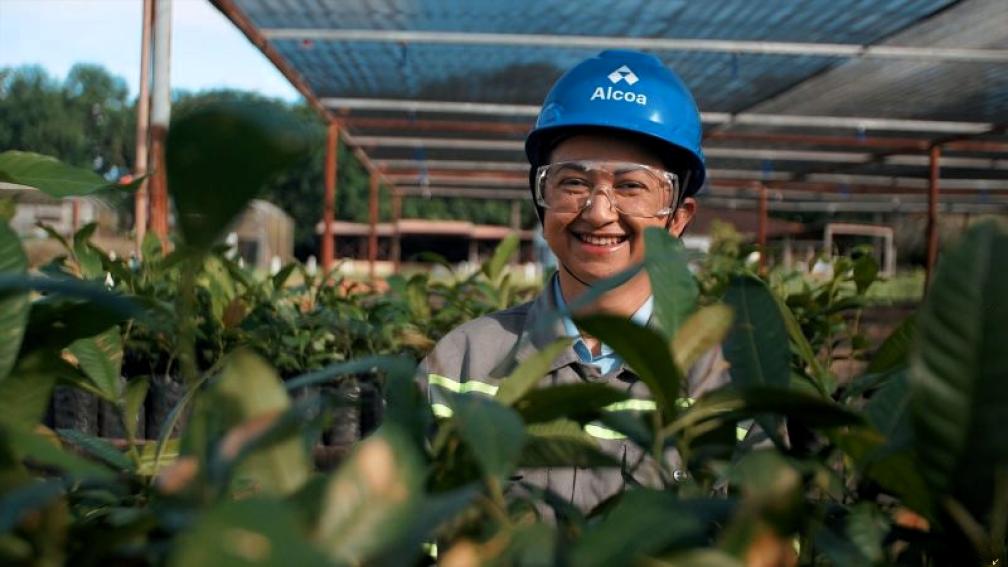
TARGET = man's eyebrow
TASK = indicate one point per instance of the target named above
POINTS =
(575, 165)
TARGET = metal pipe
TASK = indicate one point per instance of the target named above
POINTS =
(761, 232)
(329, 197)
(396, 237)
(932, 224)
(844, 50)
(160, 118)
(142, 130)
(373, 225)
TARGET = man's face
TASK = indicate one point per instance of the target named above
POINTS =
(599, 242)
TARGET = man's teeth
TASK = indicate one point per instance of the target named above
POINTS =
(601, 240)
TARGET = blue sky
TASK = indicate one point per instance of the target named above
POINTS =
(207, 50)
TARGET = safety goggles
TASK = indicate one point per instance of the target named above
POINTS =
(633, 189)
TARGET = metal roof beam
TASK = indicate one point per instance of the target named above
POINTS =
(840, 50)
(859, 124)
(461, 165)
(464, 192)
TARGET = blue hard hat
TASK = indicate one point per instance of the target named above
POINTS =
(628, 91)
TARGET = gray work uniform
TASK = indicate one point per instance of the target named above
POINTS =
(476, 356)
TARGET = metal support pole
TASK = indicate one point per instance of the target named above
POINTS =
(160, 116)
(142, 130)
(396, 237)
(761, 231)
(329, 198)
(932, 224)
(74, 215)
(373, 225)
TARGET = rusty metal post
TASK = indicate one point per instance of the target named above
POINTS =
(761, 231)
(142, 130)
(932, 224)
(74, 215)
(373, 225)
(396, 237)
(329, 198)
(160, 116)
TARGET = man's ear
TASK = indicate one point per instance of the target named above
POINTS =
(683, 216)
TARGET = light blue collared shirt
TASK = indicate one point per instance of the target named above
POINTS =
(607, 360)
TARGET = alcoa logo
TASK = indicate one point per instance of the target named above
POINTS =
(609, 93)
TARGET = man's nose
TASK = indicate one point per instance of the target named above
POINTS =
(600, 207)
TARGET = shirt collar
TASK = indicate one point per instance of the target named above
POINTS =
(641, 317)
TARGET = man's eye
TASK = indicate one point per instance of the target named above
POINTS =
(573, 182)
(630, 186)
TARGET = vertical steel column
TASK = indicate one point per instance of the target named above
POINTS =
(396, 237)
(373, 225)
(932, 224)
(74, 215)
(328, 251)
(142, 130)
(761, 231)
(160, 116)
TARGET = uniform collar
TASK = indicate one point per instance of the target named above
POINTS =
(545, 324)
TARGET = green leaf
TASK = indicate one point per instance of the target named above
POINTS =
(644, 522)
(757, 345)
(133, 399)
(958, 369)
(581, 402)
(97, 447)
(247, 391)
(100, 359)
(698, 558)
(701, 332)
(251, 531)
(25, 394)
(530, 372)
(219, 156)
(867, 528)
(865, 272)
(646, 351)
(416, 297)
(30, 445)
(821, 378)
(122, 306)
(493, 433)
(19, 502)
(370, 497)
(14, 305)
(673, 285)
(562, 443)
(895, 350)
(48, 174)
(493, 267)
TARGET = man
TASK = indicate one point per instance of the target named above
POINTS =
(616, 149)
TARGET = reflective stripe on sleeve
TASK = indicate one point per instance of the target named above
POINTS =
(441, 410)
(461, 387)
(635, 405)
(601, 432)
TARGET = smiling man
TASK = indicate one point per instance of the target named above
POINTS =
(615, 150)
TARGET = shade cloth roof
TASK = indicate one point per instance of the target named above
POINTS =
(834, 98)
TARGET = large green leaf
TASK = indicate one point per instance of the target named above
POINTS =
(246, 532)
(646, 351)
(494, 433)
(97, 447)
(581, 402)
(701, 332)
(47, 451)
(370, 498)
(48, 174)
(25, 394)
(645, 522)
(530, 372)
(673, 285)
(562, 443)
(249, 394)
(959, 369)
(14, 305)
(121, 306)
(219, 156)
(100, 358)
(757, 345)
(895, 350)
(133, 398)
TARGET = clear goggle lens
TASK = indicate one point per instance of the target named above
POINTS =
(633, 189)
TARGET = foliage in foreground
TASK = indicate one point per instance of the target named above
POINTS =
(903, 465)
